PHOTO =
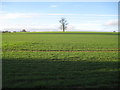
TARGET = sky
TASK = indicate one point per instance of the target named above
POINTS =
(45, 16)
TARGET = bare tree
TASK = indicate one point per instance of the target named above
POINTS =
(64, 24)
(23, 30)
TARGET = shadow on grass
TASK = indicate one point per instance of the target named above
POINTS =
(37, 73)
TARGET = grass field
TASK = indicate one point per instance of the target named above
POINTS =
(70, 59)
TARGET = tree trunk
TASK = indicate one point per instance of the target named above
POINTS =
(63, 28)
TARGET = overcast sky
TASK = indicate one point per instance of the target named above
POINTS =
(45, 16)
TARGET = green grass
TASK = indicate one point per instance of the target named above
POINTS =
(76, 32)
(25, 69)
(59, 42)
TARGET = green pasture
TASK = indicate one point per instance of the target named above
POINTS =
(24, 66)
(38, 41)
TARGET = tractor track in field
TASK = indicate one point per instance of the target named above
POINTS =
(62, 51)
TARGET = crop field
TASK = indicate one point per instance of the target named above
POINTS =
(60, 60)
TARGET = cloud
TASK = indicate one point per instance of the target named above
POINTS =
(103, 15)
(6, 18)
(57, 14)
(4, 15)
(111, 23)
(29, 27)
(55, 27)
(88, 15)
(28, 15)
(15, 15)
(53, 6)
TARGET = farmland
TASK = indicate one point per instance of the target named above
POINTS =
(54, 59)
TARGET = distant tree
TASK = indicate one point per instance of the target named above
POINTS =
(23, 30)
(5, 31)
(64, 24)
(114, 31)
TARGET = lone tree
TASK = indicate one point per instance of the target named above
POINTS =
(64, 24)
(23, 30)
